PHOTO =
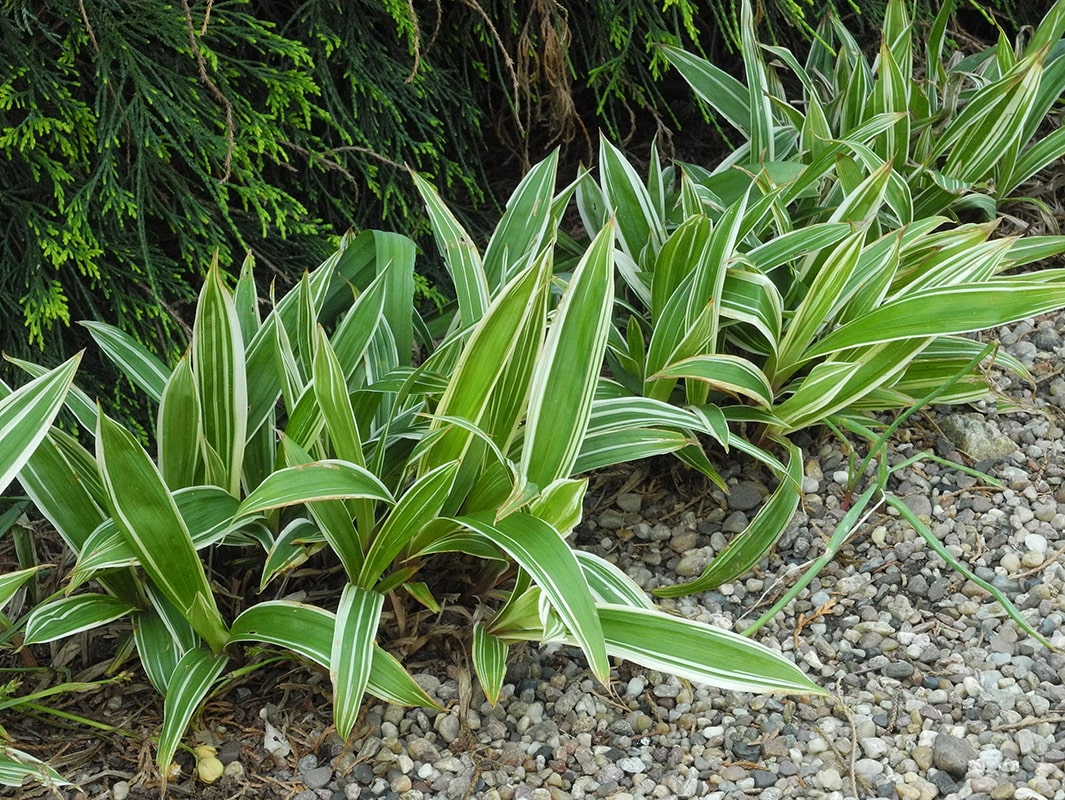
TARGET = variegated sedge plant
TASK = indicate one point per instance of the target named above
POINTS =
(274, 434)
(26, 414)
(773, 311)
(962, 133)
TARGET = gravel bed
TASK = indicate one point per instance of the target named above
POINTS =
(937, 692)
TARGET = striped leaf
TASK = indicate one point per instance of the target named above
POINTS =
(80, 404)
(308, 631)
(221, 378)
(489, 656)
(11, 581)
(700, 653)
(351, 655)
(418, 505)
(976, 307)
(178, 431)
(147, 515)
(543, 553)
(460, 254)
(523, 228)
(747, 548)
(733, 375)
(758, 94)
(296, 542)
(490, 348)
(714, 86)
(313, 482)
(17, 766)
(193, 678)
(62, 481)
(27, 413)
(158, 649)
(70, 615)
(609, 585)
(135, 361)
(600, 450)
(565, 376)
(638, 225)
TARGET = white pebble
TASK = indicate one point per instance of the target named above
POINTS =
(1036, 542)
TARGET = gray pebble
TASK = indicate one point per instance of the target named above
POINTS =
(318, 777)
(952, 755)
(746, 495)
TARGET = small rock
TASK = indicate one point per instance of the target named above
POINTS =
(830, 779)
(952, 755)
(746, 495)
(736, 522)
(977, 437)
(630, 502)
(611, 520)
(120, 790)
(318, 777)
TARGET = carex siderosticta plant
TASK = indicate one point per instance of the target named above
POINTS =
(303, 429)
(829, 269)
(823, 271)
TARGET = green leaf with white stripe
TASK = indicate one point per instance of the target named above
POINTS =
(357, 618)
(70, 615)
(158, 649)
(747, 548)
(609, 585)
(977, 307)
(460, 254)
(605, 449)
(489, 656)
(733, 375)
(714, 86)
(638, 224)
(221, 378)
(178, 431)
(308, 483)
(308, 631)
(16, 766)
(523, 228)
(565, 375)
(192, 680)
(11, 581)
(418, 505)
(758, 94)
(543, 553)
(700, 653)
(146, 513)
(137, 363)
(27, 413)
